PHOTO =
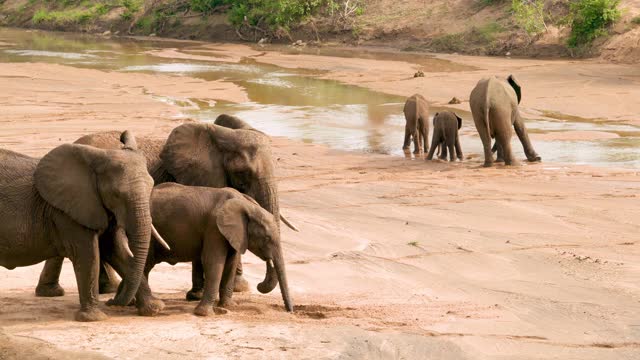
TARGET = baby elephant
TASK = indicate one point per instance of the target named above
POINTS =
(214, 225)
(445, 135)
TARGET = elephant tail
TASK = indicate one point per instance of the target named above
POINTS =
(487, 123)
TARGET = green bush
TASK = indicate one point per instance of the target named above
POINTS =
(272, 13)
(529, 15)
(205, 6)
(590, 19)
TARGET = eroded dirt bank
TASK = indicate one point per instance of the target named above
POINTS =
(396, 258)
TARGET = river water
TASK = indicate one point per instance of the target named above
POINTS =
(293, 103)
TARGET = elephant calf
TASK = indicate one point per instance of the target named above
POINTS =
(214, 225)
(445, 135)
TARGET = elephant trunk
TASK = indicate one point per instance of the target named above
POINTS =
(138, 231)
(278, 261)
(270, 279)
(266, 195)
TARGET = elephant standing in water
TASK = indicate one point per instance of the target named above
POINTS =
(416, 113)
(216, 226)
(494, 105)
(59, 205)
(229, 153)
(445, 136)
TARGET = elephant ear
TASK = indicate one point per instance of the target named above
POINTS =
(231, 219)
(191, 156)
(65, 178)
(459, 120)
(516, 86)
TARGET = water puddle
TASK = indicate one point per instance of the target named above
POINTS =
(295, 104)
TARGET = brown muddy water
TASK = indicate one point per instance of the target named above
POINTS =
(293, 103)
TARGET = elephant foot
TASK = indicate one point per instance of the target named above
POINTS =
(487, 164)
(49, 290)
(203, 310)
(151, 308)
(220, 311)
(240, 284)
(93, 314)
(194, 295)
(228, 303)
(535, 158)
(112, 302)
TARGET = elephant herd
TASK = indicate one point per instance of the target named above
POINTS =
(93, 202)
(494, 107)
(210, 190)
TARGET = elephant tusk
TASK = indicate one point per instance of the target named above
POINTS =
(159, 238)
(290, 225)
(127, 249)
(270, 262)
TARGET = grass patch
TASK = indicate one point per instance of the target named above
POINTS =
(590, 19)
(413, 243)
(70, 16)
(636, 20)
(489, 31)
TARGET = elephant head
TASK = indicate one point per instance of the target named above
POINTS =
(94, 187)
(228, 153)
(248, 226)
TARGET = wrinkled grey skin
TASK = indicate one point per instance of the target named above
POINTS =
(58, 206)
(229, 153)
(494, 105)
(416, 113)
(445, 134)
(215, 227)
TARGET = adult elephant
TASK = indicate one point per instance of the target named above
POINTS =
(416, 114)
(494, 106)
(58, 206)
(228, 153)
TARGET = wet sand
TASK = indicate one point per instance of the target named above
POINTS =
(396, 258)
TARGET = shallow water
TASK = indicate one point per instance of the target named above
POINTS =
(286, 102)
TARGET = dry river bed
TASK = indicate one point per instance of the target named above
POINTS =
(396, 258)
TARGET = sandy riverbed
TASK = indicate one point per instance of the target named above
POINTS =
(396, 258)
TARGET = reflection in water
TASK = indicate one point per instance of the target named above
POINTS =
(295, 104)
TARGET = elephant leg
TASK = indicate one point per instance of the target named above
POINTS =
(197, 281)
(240, 283)
(425, 137)
(228, 279)
(504, 141)
(407, 139)
(486, 145)
(48, 285)
(416, 142)
(459, 148)
(107, 281)
(435, 144)
(451, 147)
(213, 262)
(499, 152)
(443, 150)
(86, 265)
(521, 131)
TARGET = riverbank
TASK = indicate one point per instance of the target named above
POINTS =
(489, 27)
